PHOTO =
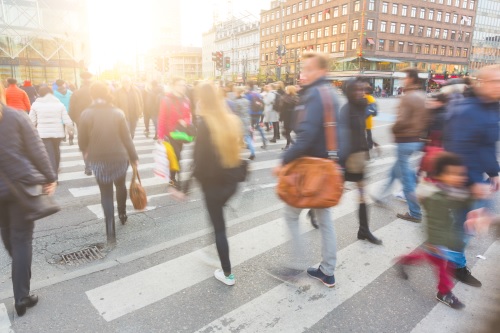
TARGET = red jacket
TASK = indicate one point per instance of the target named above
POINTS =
(172, 109)
(17, 98)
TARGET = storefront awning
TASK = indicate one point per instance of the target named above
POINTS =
(383, 60)
(370, 41)
(440, 82)
(348, 59)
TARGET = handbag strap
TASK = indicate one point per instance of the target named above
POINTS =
(135, 174)
(329, 122)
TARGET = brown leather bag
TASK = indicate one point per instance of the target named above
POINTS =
(137, 192)
(311, 182)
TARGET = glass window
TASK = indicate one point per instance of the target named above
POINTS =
(447, 17)
(418, 48)
(328, 15)
(369, 25)
(342, 46)
(371, 5)
(393, 28)
(453, 34)
(287, 39)
(287, 25)
(431, 15)
(439, 16)
(336, 12)
(458, 51)
(457, 3)
(300, 6)
(293, 24)
(448, 2)
(320, 17)
(325, 48)
(293, 38)
(412, 29)
(465, 52)
(402, 28)
(272, 16)
(469, 21)
(305, 35)
(313, 18)
(445, 34)
(391, 45)
(455, 18)
(318, 33)
(442, 50)
(394, 9)
(299, 22)
(437, 32)
(464, 4)
(413, 11)
(313, 3)
(354, 44)
(404, 11)
(335, 30)
(401, 46)
(356, 6)
(299, 37)
(450, 51)
(420, 31)
(355, 25)
(344, 9)
(311, 34)
(334, 47)
(294, 9)
(471, 4)
(410, 48)
(327, 31)
(467, 36)
(343, 27)
(385, 6)
(435, 50)
(381, 45)
(306, 4)
(383, 26)
(422, 13)
(428, 32)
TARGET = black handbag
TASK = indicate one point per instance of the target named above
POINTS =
(35, 203)
(238, 174)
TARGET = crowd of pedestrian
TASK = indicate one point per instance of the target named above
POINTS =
(452, 193)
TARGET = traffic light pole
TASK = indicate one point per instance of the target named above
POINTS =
(280, 50)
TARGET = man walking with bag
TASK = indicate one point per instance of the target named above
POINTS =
(311, 141)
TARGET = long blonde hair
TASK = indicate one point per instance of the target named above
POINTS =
(225, 128)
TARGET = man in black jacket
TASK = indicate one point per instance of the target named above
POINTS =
(311, 142)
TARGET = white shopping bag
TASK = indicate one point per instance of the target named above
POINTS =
(162, 167)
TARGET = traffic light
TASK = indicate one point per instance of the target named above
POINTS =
(159, 64)
(214, 56)
(227, 63)
(220, 60)
(166, 64)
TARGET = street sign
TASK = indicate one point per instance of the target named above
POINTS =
(278, 62)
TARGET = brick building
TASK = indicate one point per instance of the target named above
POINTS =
(373, 38)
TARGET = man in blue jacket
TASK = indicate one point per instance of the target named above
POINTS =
(472, 131)
(311, 142)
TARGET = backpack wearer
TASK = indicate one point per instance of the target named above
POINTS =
(256, 103)
(277, 102)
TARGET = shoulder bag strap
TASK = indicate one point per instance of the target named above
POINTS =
(135, 175)
(330, 124)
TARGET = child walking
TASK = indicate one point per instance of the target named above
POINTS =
(446, 193)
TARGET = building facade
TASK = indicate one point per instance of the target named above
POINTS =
(486, 38)
(185, 62)
(43, 40)
(166, 22)
(238, 40)
(374, 38)
(208, 42)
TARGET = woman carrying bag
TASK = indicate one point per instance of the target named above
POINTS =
(105, 140)
(24, 160)
(216, 155)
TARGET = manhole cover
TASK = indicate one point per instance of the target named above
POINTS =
(83, 256)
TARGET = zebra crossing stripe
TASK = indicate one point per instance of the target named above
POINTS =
(297, 306)
(5, 326)
(146, 287)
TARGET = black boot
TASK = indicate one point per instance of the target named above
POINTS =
(364, 231)
(110, 231)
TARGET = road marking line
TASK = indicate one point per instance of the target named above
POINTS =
(297, 306)
(146, 287)
(5, 325)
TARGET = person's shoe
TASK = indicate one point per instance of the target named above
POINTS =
(285, 148)
(123, 218)
(408, 217)
(450, 300)
(316, 273)
(88, 172)
(252, 157)
(264, 146)
(378, 201)
(219, 275)
(312, 217)
(364, 234)
(465, 276)
(146, 133)
(273, 140)
(26, 302)
(400, 196)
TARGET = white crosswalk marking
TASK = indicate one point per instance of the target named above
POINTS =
(5, 326)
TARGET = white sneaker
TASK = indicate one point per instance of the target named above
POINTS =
(400, 196)
(219, 275)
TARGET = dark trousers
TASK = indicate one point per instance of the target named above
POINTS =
(52, 146)
(177, 145)
(17, 237)
(288, 136)
(276, 129)
(155, 123)
(147, 118)
(216, 196)
(107, 203)
(132, 124)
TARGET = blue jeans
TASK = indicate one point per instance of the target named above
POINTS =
(256, 124)
(249, 142)
(403, 170)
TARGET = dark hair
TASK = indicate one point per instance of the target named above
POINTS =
(412, 73)
(45, 90)
(60, 83)
(369, 89)
(444, 160)
(100, 90)
(11, 80)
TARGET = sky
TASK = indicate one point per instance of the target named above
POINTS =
(119, 27)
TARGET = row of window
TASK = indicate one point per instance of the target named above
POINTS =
(383, 45)
(465, 20)
(422, 31)
(343, 9)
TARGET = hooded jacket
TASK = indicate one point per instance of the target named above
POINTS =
(412, 116)
(310, 123)
(63, 95)
(472, 132)
(49, 115)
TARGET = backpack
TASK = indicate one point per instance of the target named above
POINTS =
(277, 102)
(256, 103)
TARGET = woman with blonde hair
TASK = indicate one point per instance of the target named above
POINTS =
(216, 150)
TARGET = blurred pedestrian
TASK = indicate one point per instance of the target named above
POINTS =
(371, 112)
(50, 117)
(288, 103)
(63, 94)
(129, 99)
(79, 101)
(242, 110)
(30, 91)
(152, 96)
(217, 149)
(16, 98)
(106, 141)
(256, 110)
(25, 159)
(472, 132)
